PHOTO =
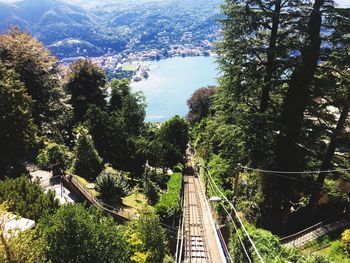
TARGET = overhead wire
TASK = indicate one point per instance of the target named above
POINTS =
(236, 214)
(295, 172)
(235, 226)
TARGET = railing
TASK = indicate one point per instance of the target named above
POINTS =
(327, 225)
(107, 208)
(180, 236)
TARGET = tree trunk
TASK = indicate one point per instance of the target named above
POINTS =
(327, 160)
(271, 54)
(296, 101)
(298, 94)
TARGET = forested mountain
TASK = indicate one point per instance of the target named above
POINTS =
(71, 30)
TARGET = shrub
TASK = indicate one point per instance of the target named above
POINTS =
(147, 238)
(78, 234)
(169, 202)
(151, 191)
(345, 238)
(112, 184)
(54, 155)
(25, 198)
(178, 168)
(269, 248)
(87, 163)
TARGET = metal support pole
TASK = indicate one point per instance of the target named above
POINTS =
(235, 187)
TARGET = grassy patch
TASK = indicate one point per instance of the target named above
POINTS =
(132, 205)
(329, 246)
(84, 182)
(129, 67)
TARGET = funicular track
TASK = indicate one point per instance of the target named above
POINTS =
(196, 245)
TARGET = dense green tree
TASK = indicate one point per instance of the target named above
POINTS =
(150, 189)
(165, 146)
(38, 70)
(148, 237)
(175, 132)
(112, 184)
(87, 162)
(26, 198)
(108, 133)
(86, 84)
(199, 104)
(130, 105)
(77, 234)
(17, 129)
(270, 109)
(116, 130)
(56, 157)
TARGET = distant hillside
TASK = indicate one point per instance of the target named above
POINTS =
(92, 28)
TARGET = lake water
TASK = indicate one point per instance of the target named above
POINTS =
(171, 82)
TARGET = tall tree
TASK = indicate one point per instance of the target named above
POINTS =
(86, 84)
(38, 70)
(199, 104)
(130, 105)
(175, 132)
(298, 95)
(87, 163)
(17, 129)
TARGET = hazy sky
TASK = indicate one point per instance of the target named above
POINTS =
(343, 3)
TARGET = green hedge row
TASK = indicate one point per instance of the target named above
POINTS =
(169, 203)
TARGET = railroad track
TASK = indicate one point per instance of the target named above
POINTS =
(196, 248)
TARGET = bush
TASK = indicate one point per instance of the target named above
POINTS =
(169, 202)
(147, 238)
(178, 168)
(25, 198)
(151, 191)
(269, 248)
(77, 234)
(54, 155)
(112, 184)
(345, 238)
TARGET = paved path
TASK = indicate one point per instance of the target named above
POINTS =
(47, 182)
(201, 241)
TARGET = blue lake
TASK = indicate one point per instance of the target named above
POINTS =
(171, 82)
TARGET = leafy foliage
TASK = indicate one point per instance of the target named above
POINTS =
(26, 198)
(175, 132)
(112, 184)
(87, 162)
(78, 234)
(54, 156)
(150, 189)
(147, 238)
(86, 85)
(345, 238)
(199, 104)
(38, 70)
(18, 132)
(272, 109)
(269, 248)
(19, 246)
(169, 202)
(115, 130)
